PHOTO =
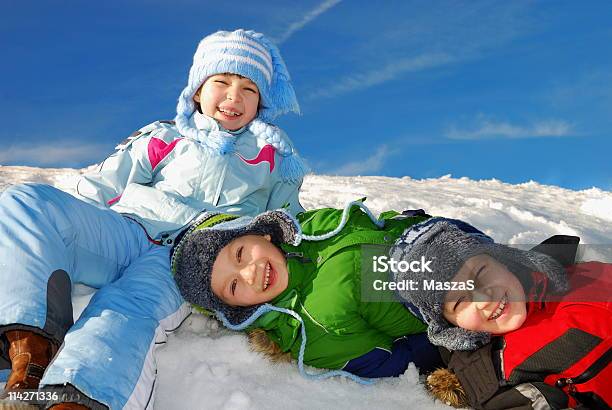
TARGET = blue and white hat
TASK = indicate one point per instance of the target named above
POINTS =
(246, 53)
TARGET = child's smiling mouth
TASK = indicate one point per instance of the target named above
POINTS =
(500, 308)
(229, 112)
(269, 276)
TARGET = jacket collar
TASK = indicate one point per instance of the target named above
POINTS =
(537, 292)
(297, 276)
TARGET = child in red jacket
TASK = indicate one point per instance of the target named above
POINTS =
(525, 332)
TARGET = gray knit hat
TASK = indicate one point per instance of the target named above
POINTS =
(448, 243)
(196, 251)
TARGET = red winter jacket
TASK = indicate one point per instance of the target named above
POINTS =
(560, 357)
(566, 343)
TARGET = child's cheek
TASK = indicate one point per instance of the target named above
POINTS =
(470, 321)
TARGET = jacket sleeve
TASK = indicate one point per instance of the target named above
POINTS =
(405, 350)
(477, 374)
(394, 319)
(286, 194)
(528, 396)
(129, 164)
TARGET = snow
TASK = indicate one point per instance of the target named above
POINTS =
(204, 366)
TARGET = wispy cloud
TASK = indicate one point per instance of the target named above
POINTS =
(491, 129)
(380, 75)
(369, 165)
(416, 37)
(62, 153)
(591, 89)
(307, 18)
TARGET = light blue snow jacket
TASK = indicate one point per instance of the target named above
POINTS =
(164, 180)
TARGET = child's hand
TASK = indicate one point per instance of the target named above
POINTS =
(445, 386)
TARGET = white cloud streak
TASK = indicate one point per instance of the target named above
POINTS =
(368, 165)
(381, 75)
(60, 153)
(490, 129)
(424, 38)
(310, 16)
(592, 89)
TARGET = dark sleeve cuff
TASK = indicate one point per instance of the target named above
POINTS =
(382, 363)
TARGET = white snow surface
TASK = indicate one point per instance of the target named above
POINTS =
(204, 366)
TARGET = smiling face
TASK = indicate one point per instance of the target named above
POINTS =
(248, 271)
(496, 305)
(230, 99)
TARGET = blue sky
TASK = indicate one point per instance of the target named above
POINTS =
(513, 90)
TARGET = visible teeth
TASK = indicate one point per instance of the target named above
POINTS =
(267, 280)
(227, 112)
(500, 308)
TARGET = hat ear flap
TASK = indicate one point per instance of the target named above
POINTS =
(282, 226)
(457, 338)
(184, 108)
(535, 262)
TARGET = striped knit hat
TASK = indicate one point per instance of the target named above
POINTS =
(246, 53)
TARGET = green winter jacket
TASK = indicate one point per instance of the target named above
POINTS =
(325, 290)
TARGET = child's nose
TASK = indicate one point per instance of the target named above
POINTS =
(233, 93)
(248, 274)
(482, 304)
(481, 298)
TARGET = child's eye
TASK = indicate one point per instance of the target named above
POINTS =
(222, 82)
(461, 299)
(477, 278)
(254, 91)
(239, 254)
(233, 286)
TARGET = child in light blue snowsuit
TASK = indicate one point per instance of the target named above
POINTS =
(220, 153)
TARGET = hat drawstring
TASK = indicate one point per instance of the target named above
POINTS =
(312, 376)
(345, 215)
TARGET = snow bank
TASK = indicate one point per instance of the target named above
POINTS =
(203, 366)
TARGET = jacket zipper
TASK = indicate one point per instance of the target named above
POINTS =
(597, 366)
(313, 319)
(297, 255)
(220, 184)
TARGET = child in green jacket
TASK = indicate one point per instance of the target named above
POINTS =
(302, 282)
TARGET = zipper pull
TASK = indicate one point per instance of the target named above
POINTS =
(567, 381)
(297, 255)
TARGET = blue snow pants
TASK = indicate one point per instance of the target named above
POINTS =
(50, 240)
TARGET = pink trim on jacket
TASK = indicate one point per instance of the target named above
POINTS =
(158, 150)
(115, 199)
(266, 154)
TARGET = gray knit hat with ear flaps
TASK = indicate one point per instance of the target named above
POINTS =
(448, 243)
(195, 254)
